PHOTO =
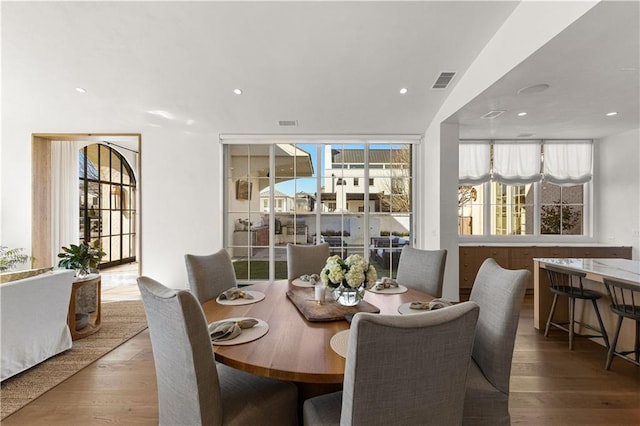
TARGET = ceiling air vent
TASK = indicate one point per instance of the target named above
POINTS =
(443, 80)
(287, 123)
(493, 114)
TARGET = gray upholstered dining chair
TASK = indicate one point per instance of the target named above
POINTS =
(306, 259)
(422, 269)
(499, 293)
(210, 275)
(402, 369)
(192, 388)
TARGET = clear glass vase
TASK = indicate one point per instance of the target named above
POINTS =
(82, 272)
(348, 296)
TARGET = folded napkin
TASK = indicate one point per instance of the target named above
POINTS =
(227, 330)
(233, 294)
(313, 278)
(386, 282)
(430, 306)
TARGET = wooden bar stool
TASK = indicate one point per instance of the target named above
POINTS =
(625, 302)
(569, 283)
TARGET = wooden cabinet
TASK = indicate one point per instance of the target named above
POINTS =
(472, 257)
(521, 257)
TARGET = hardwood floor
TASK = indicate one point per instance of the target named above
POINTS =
(549, 386)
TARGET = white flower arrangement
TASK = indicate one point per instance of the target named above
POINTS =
(351, 272)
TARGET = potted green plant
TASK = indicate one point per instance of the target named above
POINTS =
(82, 257)
(9, 258)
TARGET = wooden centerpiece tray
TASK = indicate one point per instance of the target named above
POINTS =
(329, 310)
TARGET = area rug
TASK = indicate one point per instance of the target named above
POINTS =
(120, 322)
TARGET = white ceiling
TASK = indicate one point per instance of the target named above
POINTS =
(334, 67)
(591, 69)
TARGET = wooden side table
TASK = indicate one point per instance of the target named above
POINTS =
(94, 318)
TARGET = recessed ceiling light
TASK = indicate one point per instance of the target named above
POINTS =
(237, 91)
(612, 113)
(522, 114)
(536, 88)
(190, 122)
(403, 90)
(81, 90)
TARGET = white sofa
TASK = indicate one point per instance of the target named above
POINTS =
(33, 318)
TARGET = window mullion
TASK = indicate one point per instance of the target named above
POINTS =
(487, 209)
(536, 209)
(317, 206)
(367, 230)
(272, 216)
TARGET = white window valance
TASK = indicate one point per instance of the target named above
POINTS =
(474, 162)
(516, 162)
(568, 162)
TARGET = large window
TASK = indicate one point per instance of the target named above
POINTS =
(561, 209)
(309, 193)
(533, 188)
(107, 203)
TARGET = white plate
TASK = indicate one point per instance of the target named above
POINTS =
(390, 290)
(405, 309)
(299, 283)
(247, 335)
(257, 296)
(340, 342)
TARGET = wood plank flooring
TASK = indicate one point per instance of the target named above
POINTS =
(549, 386)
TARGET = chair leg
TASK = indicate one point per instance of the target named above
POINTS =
(572, 308)
(637, 348)
(612, 348)
(553, 308)
(605, 337)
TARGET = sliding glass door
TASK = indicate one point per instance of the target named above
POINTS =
(355, 196)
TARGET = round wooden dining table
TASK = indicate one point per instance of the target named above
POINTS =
(294, 349)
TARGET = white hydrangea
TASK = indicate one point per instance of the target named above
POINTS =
(324, 276)
(355, 259)
(336, 274)
(355, 275)
(354, 270)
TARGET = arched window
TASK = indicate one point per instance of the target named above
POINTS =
(107, 203)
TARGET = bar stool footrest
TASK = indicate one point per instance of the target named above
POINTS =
(561, 326)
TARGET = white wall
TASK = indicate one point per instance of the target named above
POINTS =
(181, 202)
(529, 27)
(180, 182)
(618, 190)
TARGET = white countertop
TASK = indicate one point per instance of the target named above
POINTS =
(620, 269)
(538, 244)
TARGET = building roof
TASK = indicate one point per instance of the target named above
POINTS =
(265, 193)
(356, 156)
